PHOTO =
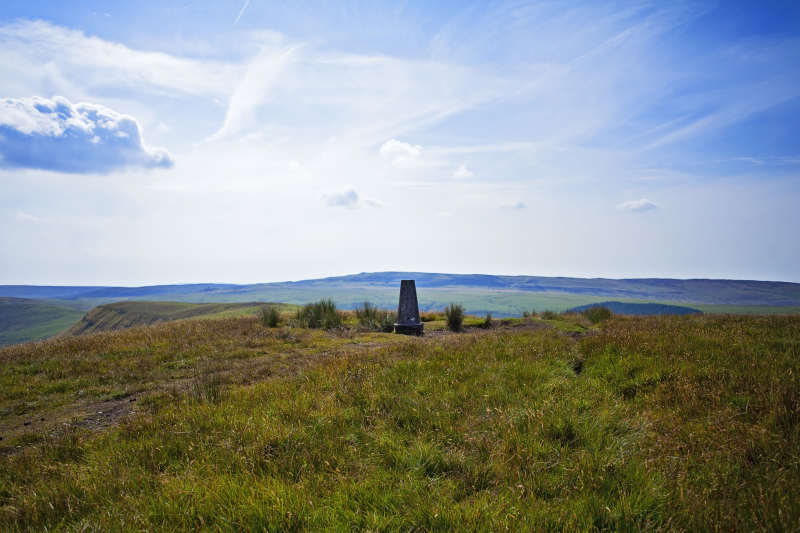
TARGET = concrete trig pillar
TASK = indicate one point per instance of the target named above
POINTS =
(408, 322)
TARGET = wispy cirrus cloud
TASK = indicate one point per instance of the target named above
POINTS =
(25, 217)
(91, 62)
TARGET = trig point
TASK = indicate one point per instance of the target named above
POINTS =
(408, 322)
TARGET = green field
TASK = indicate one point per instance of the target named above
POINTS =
(636, 424)
(23, 320)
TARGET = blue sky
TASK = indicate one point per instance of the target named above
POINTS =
(165, 142)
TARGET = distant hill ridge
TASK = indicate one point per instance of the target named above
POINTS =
(698, 291)
(123, 315)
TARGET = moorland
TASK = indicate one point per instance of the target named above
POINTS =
(556, 422)
(32, 316)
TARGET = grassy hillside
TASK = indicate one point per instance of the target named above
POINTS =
(23, 320)
(123, 315)
(647, 423)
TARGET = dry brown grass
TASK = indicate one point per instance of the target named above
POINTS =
(62, 375)
(647, 424)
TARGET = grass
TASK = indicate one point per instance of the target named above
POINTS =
(647, 424)
(374, 318)
(454, 316)
(596, 315)
(321, 314)
(57, 379)
(270, 316)
(123, 315)
(748, 309)
(23, 320)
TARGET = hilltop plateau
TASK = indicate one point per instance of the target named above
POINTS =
(674, 423)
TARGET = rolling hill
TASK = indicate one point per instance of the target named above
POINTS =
(123, 315)
(23, 320)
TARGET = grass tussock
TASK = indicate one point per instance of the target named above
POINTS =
(454, 317)
(431, 316)
(595, 315)
(206, 386)
(321, 314)
(649, 424)
(271, 316)
(374, 318)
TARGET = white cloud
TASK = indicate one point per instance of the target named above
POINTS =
(54, 134)
(399, 153)
(638, 205)
(444, 214)
(512, 205)
(24, 217)
(94, 62)
(372, 202)
(163, 128)
(294, 166)
(254, 89)
(251, 137)
(347, 198)
(463, 173)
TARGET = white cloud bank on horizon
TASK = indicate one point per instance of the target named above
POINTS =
(638, 205)
(54, 134)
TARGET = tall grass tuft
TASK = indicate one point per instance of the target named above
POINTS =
(431, 316)
(454, 316)
(487, 322)
(270, 316)
(206, 387)
(598, 314)
(322, 314)
(375, 318)
(549, 315)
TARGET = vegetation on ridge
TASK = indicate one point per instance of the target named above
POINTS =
(123, 315)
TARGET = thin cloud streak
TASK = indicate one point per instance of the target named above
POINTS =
(240, 13)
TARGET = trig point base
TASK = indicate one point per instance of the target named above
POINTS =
(408, 322)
